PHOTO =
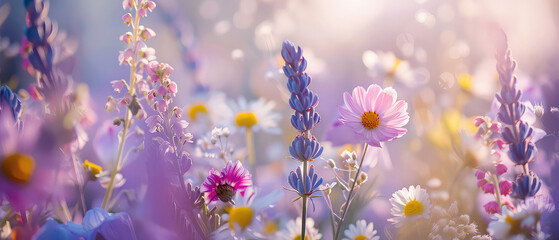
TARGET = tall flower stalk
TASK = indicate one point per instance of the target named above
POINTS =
(130, 57)
(304, 147)
(516, 132)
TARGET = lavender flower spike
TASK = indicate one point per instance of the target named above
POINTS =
(304, 146)
(516, 133)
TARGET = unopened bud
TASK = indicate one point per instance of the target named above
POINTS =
(331, 163)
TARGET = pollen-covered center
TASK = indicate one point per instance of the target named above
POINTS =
(18, 167)
(298, 237)
(92, 167)
(241, 216)
(413, 207)
(197, 109)
(514, 224)
(225, 192)
(370, 120)
(246, 119)
(360, 237)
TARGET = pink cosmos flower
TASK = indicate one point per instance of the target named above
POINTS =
(374, 114)
(223, 185)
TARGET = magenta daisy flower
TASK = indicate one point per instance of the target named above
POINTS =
(223, 185)
(374, 114)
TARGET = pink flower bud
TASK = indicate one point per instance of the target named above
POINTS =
(496, 127)
(172, 88)
(481, 182)
(162, 106)
(151, 95)
(143, 87)
(501, 168)
(118, 85)
(147, 33)
(508, 203)
(167, 70)
(505, 187)
(127, 3)
(150, 5)
(126, 37)
(127, 18)
(162, 90)
(492, 207)
(111, 104)
(488, 188)
(500, 143)
(142, 12)
(480, 175)
(478, 121)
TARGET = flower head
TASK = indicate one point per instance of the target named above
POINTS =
(526, 186)
(522, 222)
(96, 224)
(409, 204)
(293, 230)
(361, 231)
(312, 182)
(374, 114)
(223, 185)
(244, 219)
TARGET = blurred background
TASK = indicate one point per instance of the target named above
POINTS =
(438, 55)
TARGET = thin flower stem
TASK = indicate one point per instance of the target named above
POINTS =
(348, 201)
(304, 211)
(128, 117)
(497, 190)
(250, 146)
(332, 225)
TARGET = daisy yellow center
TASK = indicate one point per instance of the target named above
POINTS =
(197, 109)
(514, 225)
(18, 167)
(270, 228)
(360, 237)
(246, 119)
(94, 168)
(370, 120)
(413, 207)
(298, 237)
(241, 216)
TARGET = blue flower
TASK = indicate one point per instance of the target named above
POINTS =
(97, 224)
(312, 182)
(9, 100)
(305, 149)
(526, 186)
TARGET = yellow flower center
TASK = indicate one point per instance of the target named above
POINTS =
(197, 109)
(246, 119)
(397, 62)
(465, 81)
(298, 237)
(360, 237)
(241, 216)
(270, 228)
(92, 167)
(370, 120)
(514, 225)
(413, 207)
(18, 167)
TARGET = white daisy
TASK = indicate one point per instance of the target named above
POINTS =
(258, 115)
(361, 231)
(522, 222)
(409, 204)
(293, 230)
(243, 219)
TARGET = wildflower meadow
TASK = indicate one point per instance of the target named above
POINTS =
(279, 119)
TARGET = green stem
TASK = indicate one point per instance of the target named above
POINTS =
(350, 193)
(128, 117)
(304, 211)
